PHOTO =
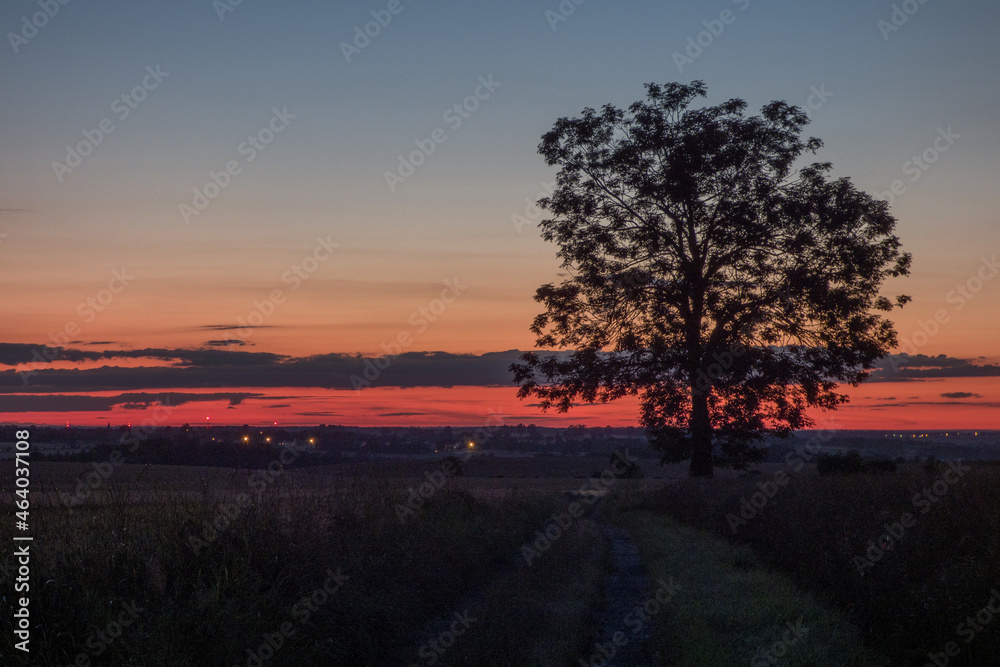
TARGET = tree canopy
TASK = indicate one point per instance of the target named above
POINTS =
(708, 274)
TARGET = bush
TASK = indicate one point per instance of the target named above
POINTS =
(839, 462)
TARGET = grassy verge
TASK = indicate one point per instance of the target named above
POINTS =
(910, 583)
(730, 610)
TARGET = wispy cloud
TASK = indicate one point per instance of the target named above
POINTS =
(234, 327)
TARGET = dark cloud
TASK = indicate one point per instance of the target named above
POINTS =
(910, 404)
(232, 369)
(12, 354)
(55, 403)
(226, 342)
(234, 327)
(201, 357)
(906, 368)
(229, 369)
(960, 394)
(130, 401)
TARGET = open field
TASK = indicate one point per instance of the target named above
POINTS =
(400, 564)
(339, 576)
(480, 476)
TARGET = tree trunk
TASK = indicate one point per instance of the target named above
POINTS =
(701, 435)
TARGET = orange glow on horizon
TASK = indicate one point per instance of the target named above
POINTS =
(880, 406)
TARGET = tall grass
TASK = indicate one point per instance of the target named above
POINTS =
(217, 604)
(729, 610)
(910, 601)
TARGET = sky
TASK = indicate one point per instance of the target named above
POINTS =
(240, 203)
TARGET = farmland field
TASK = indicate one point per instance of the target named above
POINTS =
(506, 562)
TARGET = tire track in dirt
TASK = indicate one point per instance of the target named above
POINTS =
(626, 588)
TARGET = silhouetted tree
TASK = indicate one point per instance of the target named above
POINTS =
(706, 275)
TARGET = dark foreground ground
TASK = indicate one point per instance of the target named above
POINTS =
(516, 562)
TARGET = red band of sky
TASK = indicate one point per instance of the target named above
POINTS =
(956, 403)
